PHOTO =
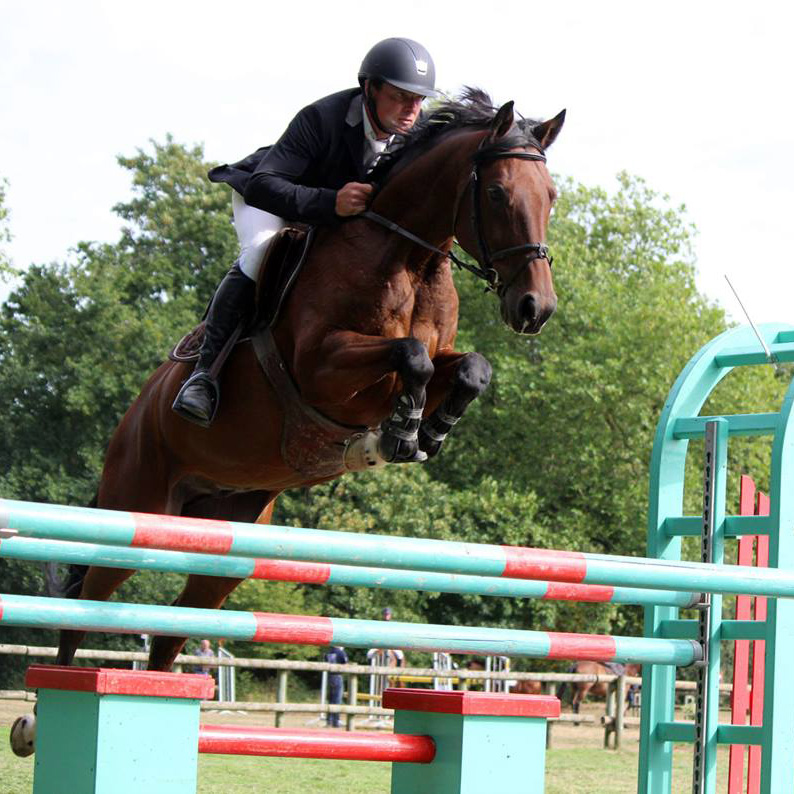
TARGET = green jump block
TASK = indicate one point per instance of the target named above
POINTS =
(102, 731)
(484, 741)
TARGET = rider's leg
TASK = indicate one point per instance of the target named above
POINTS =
(255, 231)
(198, 398)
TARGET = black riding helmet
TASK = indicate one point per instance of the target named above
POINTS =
(403, 63)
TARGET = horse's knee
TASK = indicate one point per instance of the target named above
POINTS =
(472, 376)
(410, 358)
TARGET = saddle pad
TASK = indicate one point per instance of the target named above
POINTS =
(187, 348)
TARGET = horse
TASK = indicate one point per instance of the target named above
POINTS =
(581, 689)
(363, 344)
(526, 687)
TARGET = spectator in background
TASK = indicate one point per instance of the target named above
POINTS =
(387, 657)
(205, 649)
(395, 657)
(335, 655)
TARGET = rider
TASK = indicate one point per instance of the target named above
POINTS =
(314, 174)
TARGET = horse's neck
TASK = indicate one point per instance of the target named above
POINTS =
(425, 195)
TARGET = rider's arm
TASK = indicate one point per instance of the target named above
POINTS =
(274, 187)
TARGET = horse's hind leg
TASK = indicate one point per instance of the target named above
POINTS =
(134, 478)
(579, 694)
(210, 592)
(464, 377)
(207, 592)
(98, 585)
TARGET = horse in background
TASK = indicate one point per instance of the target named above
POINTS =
(581, 689)
(526, 687)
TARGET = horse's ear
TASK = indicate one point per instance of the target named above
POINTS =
(547, 132)
(502, 121)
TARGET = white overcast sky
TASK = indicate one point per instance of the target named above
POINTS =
(696, 97)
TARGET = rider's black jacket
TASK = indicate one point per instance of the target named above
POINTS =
(297, 178)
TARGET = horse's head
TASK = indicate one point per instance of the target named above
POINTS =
(503, 216)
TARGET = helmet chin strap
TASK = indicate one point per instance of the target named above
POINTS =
(373, 112)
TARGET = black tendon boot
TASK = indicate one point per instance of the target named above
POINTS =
(198, 398)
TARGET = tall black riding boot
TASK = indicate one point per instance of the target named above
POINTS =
(198, 398)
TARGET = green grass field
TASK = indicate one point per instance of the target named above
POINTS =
(577, 763)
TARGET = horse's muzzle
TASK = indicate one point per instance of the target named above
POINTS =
(528, 312)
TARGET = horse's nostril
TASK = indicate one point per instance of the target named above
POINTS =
(527, 308)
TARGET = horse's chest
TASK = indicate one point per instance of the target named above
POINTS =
(408, 304)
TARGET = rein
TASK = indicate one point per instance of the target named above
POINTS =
(486, 272)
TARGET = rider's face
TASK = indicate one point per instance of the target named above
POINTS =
(397, 109)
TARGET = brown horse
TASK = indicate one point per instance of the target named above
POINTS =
(581, 689)
(526, 687)
(364, 341)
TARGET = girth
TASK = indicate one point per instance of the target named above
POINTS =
(311, 443)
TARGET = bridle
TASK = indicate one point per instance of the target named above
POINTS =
(485, 269)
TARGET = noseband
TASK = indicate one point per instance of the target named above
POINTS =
(486, 271)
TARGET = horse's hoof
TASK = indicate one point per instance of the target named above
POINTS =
(23, 736)
(429, 445)
(400, 450)
(420, 456)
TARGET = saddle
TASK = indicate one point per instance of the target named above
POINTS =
(311, 443)
(280, 268)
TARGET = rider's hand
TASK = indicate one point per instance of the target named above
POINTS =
(352, 198)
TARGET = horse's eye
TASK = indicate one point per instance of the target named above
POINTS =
(497, 194)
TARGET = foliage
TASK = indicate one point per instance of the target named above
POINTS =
(78, 338)
(571, 413)
(6, 268)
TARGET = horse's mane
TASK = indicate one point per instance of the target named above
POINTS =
(473, 108)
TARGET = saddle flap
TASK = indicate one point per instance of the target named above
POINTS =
(280, 267)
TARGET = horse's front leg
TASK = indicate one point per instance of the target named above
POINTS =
(399, 441)
(349, 364)
(459, 379)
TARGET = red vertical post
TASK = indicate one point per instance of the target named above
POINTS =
(740, 696)
(759, 658)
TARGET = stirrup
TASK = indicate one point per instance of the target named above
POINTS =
(205, 379)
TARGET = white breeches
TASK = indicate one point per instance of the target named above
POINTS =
(255, 231)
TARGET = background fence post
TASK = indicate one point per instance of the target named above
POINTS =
(281, 694)
(620, 709)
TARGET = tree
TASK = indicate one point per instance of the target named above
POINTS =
(79, 338)
(5, 232)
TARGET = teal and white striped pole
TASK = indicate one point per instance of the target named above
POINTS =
(35, 550)
(54, 613)
(173, 533)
